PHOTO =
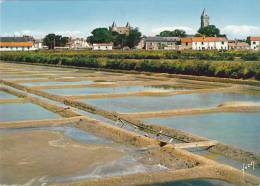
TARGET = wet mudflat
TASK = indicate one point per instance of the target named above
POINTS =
(181, 101)
(60, 154)
(238, 129)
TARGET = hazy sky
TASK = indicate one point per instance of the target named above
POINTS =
(236, 18)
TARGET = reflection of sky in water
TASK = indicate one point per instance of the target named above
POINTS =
(223, 159)
(24, 111)
(152, 103)
(6, 95)
(56, 83)
(195, 182)
(99, 90)
(239, 129)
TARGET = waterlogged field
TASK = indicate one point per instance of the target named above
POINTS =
(24, 111)
(78, 148)
(238, 129)
(4, 95)
(107, 90)
(185, 101)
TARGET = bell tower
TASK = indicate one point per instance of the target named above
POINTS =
(204, 19)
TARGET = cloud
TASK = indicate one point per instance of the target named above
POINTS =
(37, 34)
(156, 31)
(240, 31)
(2, 1)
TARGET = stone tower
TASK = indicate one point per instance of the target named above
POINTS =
(204, 19)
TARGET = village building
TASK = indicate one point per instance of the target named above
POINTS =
(78, 44)
(238, 45)
(161, 43)
(204, 43)
(102, 46)
(120, 30)
(186, 43)
(24, 43)
(254, 42)
(38, 44)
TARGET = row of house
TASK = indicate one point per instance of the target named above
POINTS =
(27, 43)
(199, 43)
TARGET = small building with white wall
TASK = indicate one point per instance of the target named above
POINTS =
(254, 42)
(102, 46)
(16, 44)
(209, 43)
(78, 44)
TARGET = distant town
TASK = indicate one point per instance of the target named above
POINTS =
(126, 37)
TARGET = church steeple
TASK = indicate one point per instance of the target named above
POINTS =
(204, 19)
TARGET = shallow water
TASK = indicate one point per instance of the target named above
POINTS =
(6, 95)
(24, 111)
(100, 90)
(238, 129)
(225, 160)
(196, 182)
(152, 103)
(56, 83)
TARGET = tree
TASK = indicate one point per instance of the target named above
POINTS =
(174, 33)
(119, 40)
(166, 33)
(199, 35)
(133, 38)
(210, 31)
(52, 40)
(100, 35)
(179, 33)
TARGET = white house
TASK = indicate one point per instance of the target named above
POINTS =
(102, 46)
(78, 44)
(254, 42)
(209, 43)
(38, 44)
(16, 44)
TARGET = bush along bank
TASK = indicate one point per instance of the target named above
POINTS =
(146, 54)
(227, 69)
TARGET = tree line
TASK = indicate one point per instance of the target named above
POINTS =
(208, 31)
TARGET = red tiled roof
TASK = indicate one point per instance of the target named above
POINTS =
(16, 44)
(254, 38)
(186, 40)
(202, 39)
(208, 39)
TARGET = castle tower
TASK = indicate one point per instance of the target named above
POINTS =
(113, 27)
(204, 19)
(127, 25)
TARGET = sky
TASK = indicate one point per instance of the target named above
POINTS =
(77, 18)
